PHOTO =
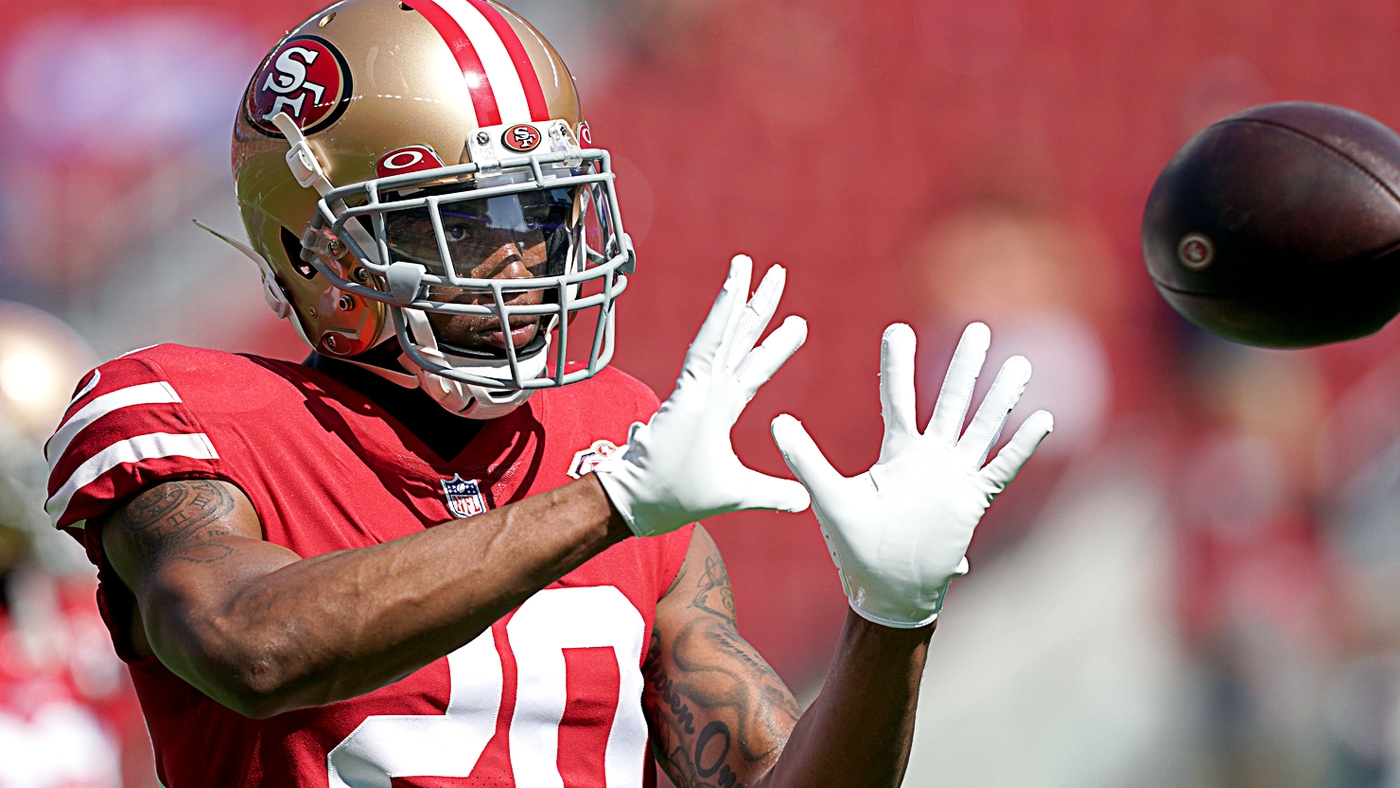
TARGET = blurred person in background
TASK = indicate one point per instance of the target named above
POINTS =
(1357, 491)
(1054, 290)
(1062, 666)
(68, 713)
(1260, 608)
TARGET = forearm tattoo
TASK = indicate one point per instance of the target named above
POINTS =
(717, 710)
(177, 521)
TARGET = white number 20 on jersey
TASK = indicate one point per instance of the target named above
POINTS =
(448, 745)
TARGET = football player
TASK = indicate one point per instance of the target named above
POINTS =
(454, 546)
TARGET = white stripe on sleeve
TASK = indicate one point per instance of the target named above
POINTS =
(142, 447)
(159, 393)
(92, 384)
(500, 69)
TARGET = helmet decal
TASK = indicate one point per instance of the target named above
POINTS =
(502, 81)
(585, 135)
(521, 138)
(307, 78)
(414, 158)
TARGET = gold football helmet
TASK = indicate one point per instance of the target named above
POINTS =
(391, 158)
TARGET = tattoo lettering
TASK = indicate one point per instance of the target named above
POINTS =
(717, 709)
(666, 689)
(176, 520)
(711, 731)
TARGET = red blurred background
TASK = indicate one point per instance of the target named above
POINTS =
(927, 161)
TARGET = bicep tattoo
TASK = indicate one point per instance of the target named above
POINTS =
(720, 714)
(177, 521)
(714, 595)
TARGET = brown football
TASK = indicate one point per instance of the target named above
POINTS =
(1280, 226)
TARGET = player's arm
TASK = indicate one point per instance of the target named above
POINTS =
(720, 716)
(898, 534)
(262, 631)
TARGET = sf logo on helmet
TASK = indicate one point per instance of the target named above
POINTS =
(522, 137)
(306, 78)
(288, 79)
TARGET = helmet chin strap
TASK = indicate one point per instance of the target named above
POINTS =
(456, 397)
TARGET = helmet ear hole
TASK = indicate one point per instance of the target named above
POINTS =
(291, 244)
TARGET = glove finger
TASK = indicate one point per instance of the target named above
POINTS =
(718, 324)
(744, 265)
(956, 395)
(761, 491)
(987, 424)
(801, 454)
(765, 360)
(756, 316)
(1000, 471)
(897, 388)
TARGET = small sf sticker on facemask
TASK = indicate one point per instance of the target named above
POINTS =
(464, 498)
(521, 138)
(587, 460)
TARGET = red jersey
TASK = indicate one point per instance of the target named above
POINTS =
(549, 696)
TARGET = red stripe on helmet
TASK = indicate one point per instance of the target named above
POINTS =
(529, 78)
(483, 97)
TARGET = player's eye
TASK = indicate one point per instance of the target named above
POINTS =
(456, 232)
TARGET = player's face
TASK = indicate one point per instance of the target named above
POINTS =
(511, 259)
(509, 237)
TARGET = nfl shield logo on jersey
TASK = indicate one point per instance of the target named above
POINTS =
(464, 498)
(585, 461)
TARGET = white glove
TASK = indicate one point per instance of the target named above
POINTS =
(680, 467)
(899, 532)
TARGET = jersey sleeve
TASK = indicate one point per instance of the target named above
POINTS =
(126, 429)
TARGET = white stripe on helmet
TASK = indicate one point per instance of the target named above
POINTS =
(500, 69)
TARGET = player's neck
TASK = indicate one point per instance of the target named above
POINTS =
(439, 430)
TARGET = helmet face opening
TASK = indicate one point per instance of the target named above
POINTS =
(516, 237)
(491, 259)
(534, 232)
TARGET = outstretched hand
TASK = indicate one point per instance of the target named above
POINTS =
(899, 532)
(680, 467)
